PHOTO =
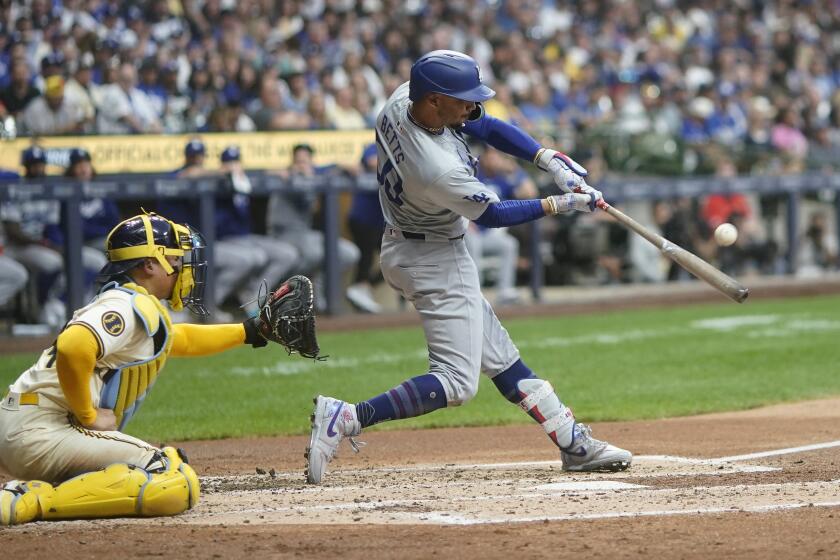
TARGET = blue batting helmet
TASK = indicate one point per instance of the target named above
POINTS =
(450, 73)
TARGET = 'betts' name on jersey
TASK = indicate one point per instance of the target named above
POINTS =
(427, 181)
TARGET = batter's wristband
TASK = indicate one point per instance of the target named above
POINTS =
(252, 333)
(538, 160)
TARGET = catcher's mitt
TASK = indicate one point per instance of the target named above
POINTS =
(287, 316)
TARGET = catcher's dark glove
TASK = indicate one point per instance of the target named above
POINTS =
(287, 316)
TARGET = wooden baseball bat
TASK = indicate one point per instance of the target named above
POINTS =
(724, 283)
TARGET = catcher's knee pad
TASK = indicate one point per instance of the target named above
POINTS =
(540, 401)
(20, 503)
(168, 487)
(173, 489)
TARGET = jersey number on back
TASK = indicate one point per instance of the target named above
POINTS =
(388, 178)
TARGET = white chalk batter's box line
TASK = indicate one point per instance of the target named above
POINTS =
(575, 485)
(730, 464)
(458, 520)
(643, 491)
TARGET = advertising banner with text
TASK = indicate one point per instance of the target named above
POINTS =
(156, 154)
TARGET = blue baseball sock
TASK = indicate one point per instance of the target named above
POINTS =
(419, 395)
(506, 381)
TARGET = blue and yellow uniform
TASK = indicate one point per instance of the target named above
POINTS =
(108, 358)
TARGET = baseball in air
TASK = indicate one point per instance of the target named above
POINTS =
(726, 234)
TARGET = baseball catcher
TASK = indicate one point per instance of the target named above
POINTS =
(61, 421)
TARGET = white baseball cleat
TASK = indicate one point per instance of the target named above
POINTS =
(332, 421)
(588, 454)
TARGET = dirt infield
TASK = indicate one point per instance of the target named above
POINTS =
(758, 484)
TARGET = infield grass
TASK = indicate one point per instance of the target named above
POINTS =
(607, 366)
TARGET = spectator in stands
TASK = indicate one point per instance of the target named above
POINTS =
(177, 100)
(239, 267)
(13, 275)
(274, 260)
(21, 90)
(366, 224)
(341, 112)
(53, 114)
(646, 262)
(24, 224)
(82, 91)
(823, 154)
(99, 215)
(149, 84)
(124, 108)
(317, 109)
(817, 252)
(30, 228)
(298, 96)
(291, 212)
(752, 251)
(787, 137)
(270, 113)
(51, 65)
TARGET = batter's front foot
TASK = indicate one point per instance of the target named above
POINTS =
(587, 454)
(332, 420)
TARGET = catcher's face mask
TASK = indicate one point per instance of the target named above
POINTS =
(153, 236)
(191, 282)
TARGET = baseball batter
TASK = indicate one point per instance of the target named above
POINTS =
(62, 419)
(428, 191)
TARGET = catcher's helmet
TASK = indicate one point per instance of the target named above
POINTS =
(450, 73)
(152, 236)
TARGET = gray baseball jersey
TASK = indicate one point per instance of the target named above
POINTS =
(427, 180)
(428, 187)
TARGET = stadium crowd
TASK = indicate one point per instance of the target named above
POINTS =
(746, 75)
(650, 86)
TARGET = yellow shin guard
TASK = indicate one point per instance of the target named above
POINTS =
(19, 502)
(118, 490)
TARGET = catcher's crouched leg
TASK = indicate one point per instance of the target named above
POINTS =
(168, 486)
(19, 501)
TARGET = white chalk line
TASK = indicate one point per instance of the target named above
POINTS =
(444, 519)
(777, 452)
(544, 491)
(452, 518)
(535, 465)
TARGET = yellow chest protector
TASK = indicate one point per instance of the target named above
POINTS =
(126, 387)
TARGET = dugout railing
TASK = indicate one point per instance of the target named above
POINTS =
(71, 193)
